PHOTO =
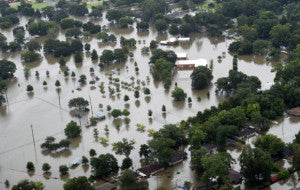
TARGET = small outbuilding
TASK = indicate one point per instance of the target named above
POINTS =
(177, 158)
(235, 176)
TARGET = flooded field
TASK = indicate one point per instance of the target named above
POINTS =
(48, 118)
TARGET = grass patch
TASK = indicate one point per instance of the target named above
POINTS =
(205, 7)
(41, 5)
(34, 5)
(89, 6)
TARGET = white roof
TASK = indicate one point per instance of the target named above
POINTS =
(164, 42)
(196, 62)
(181, 55)
(172, 40)
(183, 39)
(75, 161)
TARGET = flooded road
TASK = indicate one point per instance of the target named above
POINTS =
(48, 118)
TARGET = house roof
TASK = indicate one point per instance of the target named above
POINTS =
(149, 169)
(196, 62)
(178, 156)
(106, 186)
(181, 55)
(235, 176)
(209, 146)
(245, 132)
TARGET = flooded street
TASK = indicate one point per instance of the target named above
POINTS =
(48, 118)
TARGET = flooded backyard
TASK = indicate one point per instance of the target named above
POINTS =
(48, 118)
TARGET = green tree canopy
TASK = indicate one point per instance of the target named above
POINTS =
(201, 77)
(256, 165)
(78, 183)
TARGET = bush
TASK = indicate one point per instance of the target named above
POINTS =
(283, 174)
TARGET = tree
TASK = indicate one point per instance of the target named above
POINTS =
(126, 163)
(73, 32)
(78, 103)
(136, 94)
(92, 153)
(145, 150)
(87, 47)
(163, 108)
(296, 156)
(152, 7)
(174, 30)
(178, 94)
(280, 35)
(84, 160)
(124, 147)
(46, 167)
(201, 77)
(63, 170)
(78, 183)
(96, 12)
(126, 98)
(196, 160)
(94, 55)
(62, 61)
(57, 83)
(116, 113)
(107, 57)
(126, 113)
(78, 57)
(120, 55)
(29, 88)
(76, 46)
(104, 165)
(67, 23)
(271, 144)
(256, 165)
(147, 91)
(30, 166)
(127, 180)
(72, 130)
(7, 69)
(29, 56)
(125, 21)
(32, 45)
(28, 185)
(82, 79)
(216, 166)
(161, 25)
(142, 26)
(153, 44)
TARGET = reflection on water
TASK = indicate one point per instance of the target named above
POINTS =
(42, 110)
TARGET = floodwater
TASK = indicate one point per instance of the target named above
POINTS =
(48, 118)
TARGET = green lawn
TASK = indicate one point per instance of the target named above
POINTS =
(205, 7)
(89, 6)
(34, 5)
(41, 5)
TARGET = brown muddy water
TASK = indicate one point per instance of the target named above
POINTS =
(42, 110)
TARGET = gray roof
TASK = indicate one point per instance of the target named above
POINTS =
(106, 186)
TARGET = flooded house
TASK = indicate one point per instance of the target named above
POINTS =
(177, 158)
(149, 170)
(235, 177)
(245, 133)
(211, 148)
(191, 64)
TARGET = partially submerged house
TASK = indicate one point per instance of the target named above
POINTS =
(245, 133)
(211, 148)
(149, 170)
(177, 158)
(191, 64)
(235, 177)
(100, 115)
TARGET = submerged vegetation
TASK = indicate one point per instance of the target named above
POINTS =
(268, 28)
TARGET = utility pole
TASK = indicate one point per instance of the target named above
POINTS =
(91, 106)
(33, 142)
